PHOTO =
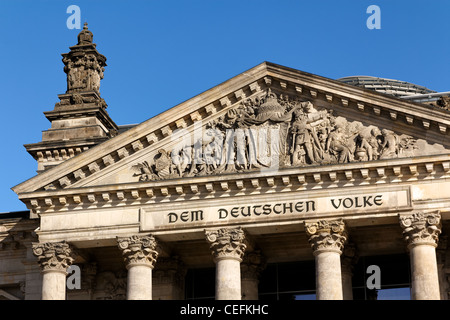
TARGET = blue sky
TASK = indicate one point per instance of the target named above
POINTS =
(161, 53)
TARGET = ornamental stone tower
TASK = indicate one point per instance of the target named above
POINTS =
(79, 120)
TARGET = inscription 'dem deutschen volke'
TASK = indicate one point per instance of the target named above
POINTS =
(282, 208)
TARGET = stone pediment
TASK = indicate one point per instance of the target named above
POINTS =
(270, 122)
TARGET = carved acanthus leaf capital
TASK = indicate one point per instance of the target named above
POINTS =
(421, 228)
(138, 250)
(327, 235)
(54, 256)
(227, 243)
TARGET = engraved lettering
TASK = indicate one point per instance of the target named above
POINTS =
(274, 208)
(347, 202)
(287, 206)
(267, 209)
(377, 200)
(173, 217)
(357, 205)
(197, 215)
(255, 212)
(223, 213)
(313, 206)
(299, 206)
(367, 201)
(184, 216)
(334, 205)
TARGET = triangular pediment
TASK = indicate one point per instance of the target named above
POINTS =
(267, 118)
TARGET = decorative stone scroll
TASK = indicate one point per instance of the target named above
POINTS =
(273, 130)
(53, 256)
(227, 243)
(421, 228)
(138, 250)
(327, 235)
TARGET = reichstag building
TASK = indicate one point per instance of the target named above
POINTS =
(276, 184)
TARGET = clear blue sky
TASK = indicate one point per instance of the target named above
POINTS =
(161, 53)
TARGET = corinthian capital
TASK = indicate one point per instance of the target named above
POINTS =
(421, 228)
(326, 235)
(227, 243)
(53, 256)
(138, 250)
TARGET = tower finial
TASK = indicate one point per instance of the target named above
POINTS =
(85, 36)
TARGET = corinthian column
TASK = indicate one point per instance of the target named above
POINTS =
(421, 232)
(327, 239)
(54, 259)
(227, 246)
(140, 255)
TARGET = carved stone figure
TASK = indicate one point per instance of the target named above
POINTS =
(305, 138)
(144, 171)
(338, 144)
(389, 145)
(368, 145)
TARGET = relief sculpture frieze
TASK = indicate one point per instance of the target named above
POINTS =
(274, 131)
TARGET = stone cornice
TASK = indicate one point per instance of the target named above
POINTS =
(373, 173)
(222, 97)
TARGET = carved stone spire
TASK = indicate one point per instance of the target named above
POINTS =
(79, 120)
(83, 65)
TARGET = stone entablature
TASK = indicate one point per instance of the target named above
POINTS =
(320, 178)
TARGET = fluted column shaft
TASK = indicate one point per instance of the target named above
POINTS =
(327, 240)
(421, 231)
(227, 246)
(54, 259)
(140, 255)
